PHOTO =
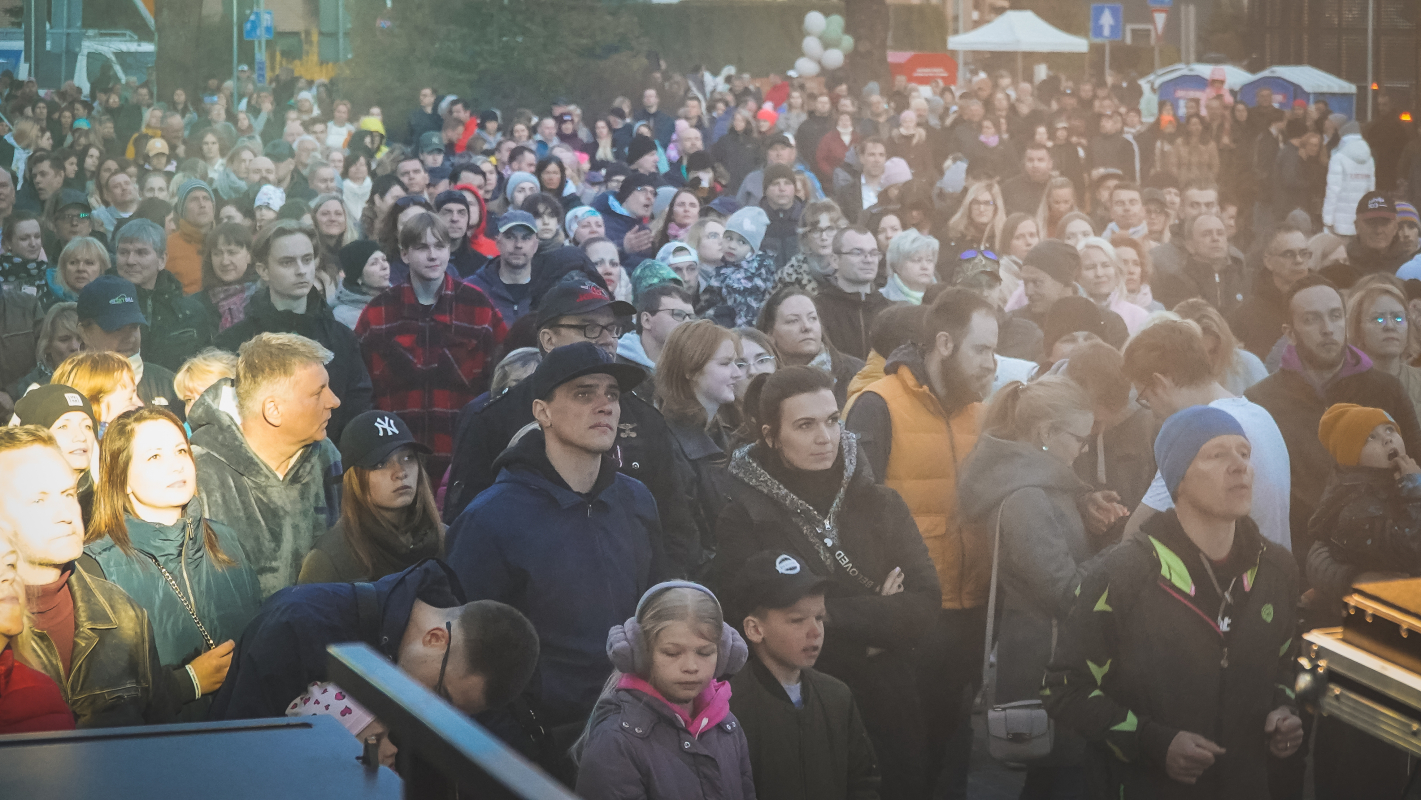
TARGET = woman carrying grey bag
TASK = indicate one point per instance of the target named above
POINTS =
(1018, 482)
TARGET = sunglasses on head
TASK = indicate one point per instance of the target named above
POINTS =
(409, 200)
(967, 255)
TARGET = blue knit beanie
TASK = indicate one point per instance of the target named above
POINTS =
(518, 179)
(1183, 434)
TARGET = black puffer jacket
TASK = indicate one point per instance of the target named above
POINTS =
(349, 379)
(178, 325)
(1367, 521)
(1143, 656)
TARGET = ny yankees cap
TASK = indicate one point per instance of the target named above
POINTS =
(371, 437)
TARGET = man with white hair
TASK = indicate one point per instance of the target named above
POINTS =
(263, 456)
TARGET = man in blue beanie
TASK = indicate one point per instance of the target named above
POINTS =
(1176, 660)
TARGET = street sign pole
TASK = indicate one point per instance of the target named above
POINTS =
(236, 90)
(1107, 23)
(1107, 60)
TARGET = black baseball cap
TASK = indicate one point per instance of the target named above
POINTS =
(577, 294)
(111, 303)
(74, 197)
(774, 579)
(1375, 205)
(578, 359)
(371, 437)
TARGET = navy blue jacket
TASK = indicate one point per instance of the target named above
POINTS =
(573, 564)
(618, 224)
(283, 650)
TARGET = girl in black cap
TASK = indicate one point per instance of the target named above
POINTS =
(388, 518)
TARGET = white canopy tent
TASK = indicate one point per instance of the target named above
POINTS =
(1018, 32)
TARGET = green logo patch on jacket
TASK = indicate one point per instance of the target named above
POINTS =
(1267, 612)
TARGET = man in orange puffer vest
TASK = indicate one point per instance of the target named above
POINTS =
(916, 426)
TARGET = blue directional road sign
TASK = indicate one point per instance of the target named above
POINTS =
(1161, 3)
(261, 71)
(1106, 22)
(259, 25)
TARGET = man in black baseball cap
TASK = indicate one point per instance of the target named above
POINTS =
(1375, 248)
(805, 734)
(111, 319)
(578, 311)
(582, 536)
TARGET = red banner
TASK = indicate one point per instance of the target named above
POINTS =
(923, 68)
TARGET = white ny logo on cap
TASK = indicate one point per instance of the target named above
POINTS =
(385, 426)
(786, 565)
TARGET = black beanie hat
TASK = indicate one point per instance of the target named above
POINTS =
(777, 172)
(631, 183)
(1070, 315)
(46, 404)
(1055, 258)
(352, 261)
(699, 161)
(639, 147)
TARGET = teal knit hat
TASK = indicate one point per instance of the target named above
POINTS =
(651, 273)
(188, 187)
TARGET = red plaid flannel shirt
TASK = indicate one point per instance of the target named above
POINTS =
(427, 362)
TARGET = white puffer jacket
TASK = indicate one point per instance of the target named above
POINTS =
(1350, 175)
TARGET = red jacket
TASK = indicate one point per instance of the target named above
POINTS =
(471, 127)
(30, 701)
(427, 362)
(832, 152)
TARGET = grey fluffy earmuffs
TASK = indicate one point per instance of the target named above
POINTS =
(627, 648)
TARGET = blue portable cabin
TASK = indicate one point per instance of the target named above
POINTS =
(1301, 81)
(1179, 82)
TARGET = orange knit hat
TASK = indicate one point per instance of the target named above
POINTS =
(1345, 427)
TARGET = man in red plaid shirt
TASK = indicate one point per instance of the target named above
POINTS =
(429, 344)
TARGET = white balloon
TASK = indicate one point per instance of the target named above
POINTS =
(814, 23)
(813, 47)
(806, 67)
(832, 59)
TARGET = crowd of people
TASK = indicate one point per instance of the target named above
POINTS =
(745, 436)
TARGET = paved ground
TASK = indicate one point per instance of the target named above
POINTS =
(989, 780)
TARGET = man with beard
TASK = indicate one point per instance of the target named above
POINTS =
(1320, 369)
(916, 426)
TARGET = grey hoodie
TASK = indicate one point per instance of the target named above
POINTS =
(1043, 551)
(277, 520)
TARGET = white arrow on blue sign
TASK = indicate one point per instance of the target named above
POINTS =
(259, 25)
(1106, 21)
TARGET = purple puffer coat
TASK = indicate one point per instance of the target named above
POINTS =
(640, 749)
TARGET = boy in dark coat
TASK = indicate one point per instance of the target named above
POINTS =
(1369, 518)
(807, 741)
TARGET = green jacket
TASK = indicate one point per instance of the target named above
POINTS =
(818, 752)
(115, 676)
(278, 519)
(333, 560)
(1149, 650)
(225, 598)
